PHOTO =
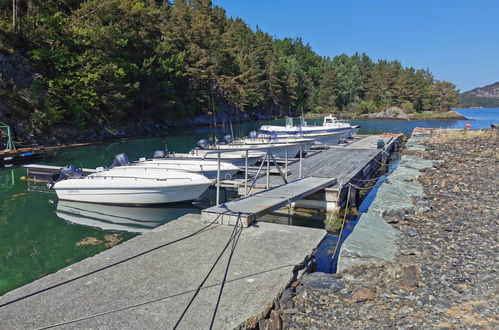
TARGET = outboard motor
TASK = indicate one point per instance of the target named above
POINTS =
(70, 172)
(120, 160)
(203, 144)
(159, 154)
(381, 144)
(67, 172)
(228, 139)
(253, 134)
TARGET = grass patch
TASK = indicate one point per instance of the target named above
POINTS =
(452, 135)
(432, 115)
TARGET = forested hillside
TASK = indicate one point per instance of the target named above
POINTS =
(487, 96)
(104, 62)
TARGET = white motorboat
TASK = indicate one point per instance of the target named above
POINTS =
(330, 124)
(279, 148)
(279, 144)
(235, 158)
(131, 185)
(118, 218)
(208, 168)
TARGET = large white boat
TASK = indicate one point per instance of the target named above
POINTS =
(330, 124)
(131, 185)
(235, 158)
(208, 168)
(283, 141)
(279, 149)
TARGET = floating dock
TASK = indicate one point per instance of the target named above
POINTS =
(152, 290)
(248, 209)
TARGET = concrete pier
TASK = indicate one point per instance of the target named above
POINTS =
(152, 290)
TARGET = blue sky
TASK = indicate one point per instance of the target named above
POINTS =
(456, 40)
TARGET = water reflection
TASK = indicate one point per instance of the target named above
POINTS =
(119, 218)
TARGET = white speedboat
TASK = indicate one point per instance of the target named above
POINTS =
(279, 144)
(261, 146)
(330, 124)
(235, 158)
(130, 185)
(118, 218)
(208, 168)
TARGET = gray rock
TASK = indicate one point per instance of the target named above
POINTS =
(322, 281)
(412, 232)
(286, 301)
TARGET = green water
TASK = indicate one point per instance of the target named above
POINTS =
(36, 239)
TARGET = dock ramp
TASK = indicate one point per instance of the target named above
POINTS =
(251, 207)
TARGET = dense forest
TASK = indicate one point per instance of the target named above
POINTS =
(104, 62)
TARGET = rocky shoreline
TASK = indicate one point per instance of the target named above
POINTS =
(442, 272)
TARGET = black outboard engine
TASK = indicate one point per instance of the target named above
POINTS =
(203, 144)
(70, 172)
(253, 134)
(67, 172)
(159, 154)
(228, 139)
(120, 160)
(380, 144)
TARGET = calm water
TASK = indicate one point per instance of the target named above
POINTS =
(38, 235)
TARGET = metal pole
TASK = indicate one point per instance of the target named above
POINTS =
(218, 180)
(301, 156)
(268, 169)
(246, 174)
(286, 173)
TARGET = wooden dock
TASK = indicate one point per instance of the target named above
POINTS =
(348, 164)
(249, 208)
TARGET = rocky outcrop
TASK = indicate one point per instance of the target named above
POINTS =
(16, 69)
(390, 113)
(489, 91)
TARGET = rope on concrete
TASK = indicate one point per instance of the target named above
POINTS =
(198, 289)
(234, 244)
(111, 265)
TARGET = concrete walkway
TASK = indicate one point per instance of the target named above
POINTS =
(151, 291)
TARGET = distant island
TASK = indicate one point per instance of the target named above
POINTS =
(487, 97)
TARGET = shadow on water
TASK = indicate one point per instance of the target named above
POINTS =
(325, 261)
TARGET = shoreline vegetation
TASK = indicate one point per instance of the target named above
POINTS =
(96, 64)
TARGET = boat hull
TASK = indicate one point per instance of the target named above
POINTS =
(207, 168)
(236, 158)
(133, 186)
(132, 196)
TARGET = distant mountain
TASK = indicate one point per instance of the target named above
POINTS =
(487, 96)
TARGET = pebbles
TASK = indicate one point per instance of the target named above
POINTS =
(445, 273)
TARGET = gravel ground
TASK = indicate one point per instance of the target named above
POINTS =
(445, 272)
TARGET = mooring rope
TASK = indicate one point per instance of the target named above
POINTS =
(234, 244)
(198, 289)
(111, 265)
